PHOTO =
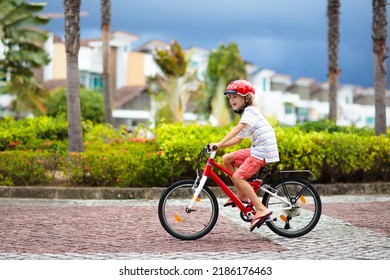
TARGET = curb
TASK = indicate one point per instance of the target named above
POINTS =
(53, 192)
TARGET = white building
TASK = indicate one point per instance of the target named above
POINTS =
(304, 99)
(278, 96)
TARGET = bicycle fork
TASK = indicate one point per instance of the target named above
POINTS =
(198, 186)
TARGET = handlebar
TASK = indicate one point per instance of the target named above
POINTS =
(206, 150)
(213, 148)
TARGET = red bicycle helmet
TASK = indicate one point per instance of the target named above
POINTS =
(241, 87)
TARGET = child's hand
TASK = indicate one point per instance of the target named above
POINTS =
(213, 146)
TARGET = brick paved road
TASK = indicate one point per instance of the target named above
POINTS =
(351, 227)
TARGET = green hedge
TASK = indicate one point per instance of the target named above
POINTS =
(133, 166)
(24, 168)
(34, 152)
(33, 133)
(336, 157)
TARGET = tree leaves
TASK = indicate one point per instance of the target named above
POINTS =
(23, 52)
(171, 61)
(178, 86)
(224, 66)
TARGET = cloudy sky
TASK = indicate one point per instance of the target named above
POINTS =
(287, 36)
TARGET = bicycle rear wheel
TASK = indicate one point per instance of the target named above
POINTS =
(182, 224)
(304, 214)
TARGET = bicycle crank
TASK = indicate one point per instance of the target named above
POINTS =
(245, 218)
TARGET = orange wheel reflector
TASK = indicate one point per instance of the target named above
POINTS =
(283, 218)
(302, 199)
(177, 218)
(197, 199)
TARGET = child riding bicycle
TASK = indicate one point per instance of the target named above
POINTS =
(246, 162)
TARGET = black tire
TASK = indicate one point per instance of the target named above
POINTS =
(304, 215)
(182, 224)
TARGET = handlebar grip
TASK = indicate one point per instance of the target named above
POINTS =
(213, 148)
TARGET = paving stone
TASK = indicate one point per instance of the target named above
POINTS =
(351, 227)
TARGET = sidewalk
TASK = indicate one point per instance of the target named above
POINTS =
(350, 228)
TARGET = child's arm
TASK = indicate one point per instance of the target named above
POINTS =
(231, 142)
(230, 139)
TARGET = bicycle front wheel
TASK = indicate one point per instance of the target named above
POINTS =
(184, 224)
(296, 208)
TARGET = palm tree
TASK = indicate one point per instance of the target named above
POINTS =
(178, 85)
(224, 66)
(23, 52)
(333, 52)
(106, 17)
(72, 46)
(379, 35)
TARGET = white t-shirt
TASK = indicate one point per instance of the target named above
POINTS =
(261, 133)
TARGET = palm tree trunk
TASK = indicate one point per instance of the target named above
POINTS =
(333, 45)
(220, 110)
(106, 17)
(379, 31)
(72, 46)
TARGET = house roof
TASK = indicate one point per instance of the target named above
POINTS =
(117, 35)
(304, 82)
(125, 94)
(53, 84)
(282, 79)
(151, 45)
(124, 35)
(119, 96)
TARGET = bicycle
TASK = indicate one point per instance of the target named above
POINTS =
(188, 209)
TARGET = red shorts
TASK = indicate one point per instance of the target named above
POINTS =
(247, 164)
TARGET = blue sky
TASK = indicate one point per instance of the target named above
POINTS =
(287, 36)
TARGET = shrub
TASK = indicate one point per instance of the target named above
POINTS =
(34, 150)
(326, 125)
(378, 154)
(299, 150)
(100, 134)
(24, 168)
(33, 133)
(136, 164)
(342, 157)
(91, 105)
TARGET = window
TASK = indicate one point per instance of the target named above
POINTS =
(288, 108)
(302, 114)
(193, 64)
(264, 84)
(370, 121)
(91, 80)
(130, 124)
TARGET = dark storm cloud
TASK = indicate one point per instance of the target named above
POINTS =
(288, 36)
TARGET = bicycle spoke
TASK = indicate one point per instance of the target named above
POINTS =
(185, 223)
(300, 215)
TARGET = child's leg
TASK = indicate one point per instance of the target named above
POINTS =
(250, 166)
(248, 191)
(230, 161)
